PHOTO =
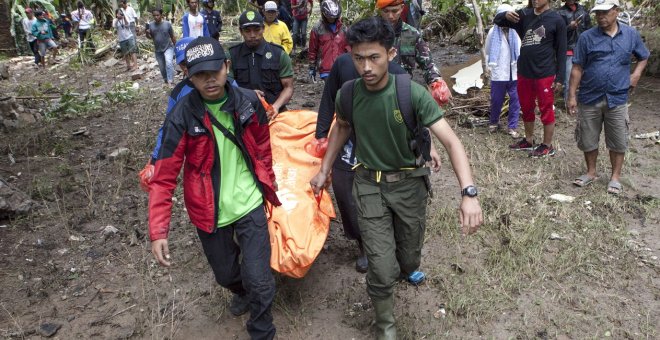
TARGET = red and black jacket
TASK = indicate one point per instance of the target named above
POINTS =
(325, 45)
(189, 140)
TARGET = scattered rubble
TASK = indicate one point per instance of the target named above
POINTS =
(49, 329)
(12, 201)
(118, 153)
(13, 115)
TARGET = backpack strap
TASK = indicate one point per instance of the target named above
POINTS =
(346, 100)
(404, 101)
(420, 135)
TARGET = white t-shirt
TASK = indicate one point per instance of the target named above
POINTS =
(27, 26)
(506, 69)
(195, 25)
(130, 14)
(123, 30)
(84, 18)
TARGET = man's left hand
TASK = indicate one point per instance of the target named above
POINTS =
(470, 215)
(435, 163)
(273, 112)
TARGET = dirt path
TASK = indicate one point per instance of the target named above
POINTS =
(599, 278)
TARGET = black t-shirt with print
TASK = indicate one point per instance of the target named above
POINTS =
(543, 48)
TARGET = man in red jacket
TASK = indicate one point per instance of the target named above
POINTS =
(220, 135)
(327, 41)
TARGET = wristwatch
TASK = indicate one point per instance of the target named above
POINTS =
(469, 191)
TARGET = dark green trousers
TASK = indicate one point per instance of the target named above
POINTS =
(392, 220)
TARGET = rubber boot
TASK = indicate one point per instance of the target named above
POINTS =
(384, 307)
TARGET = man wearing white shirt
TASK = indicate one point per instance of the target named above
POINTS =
(31, 39)
(130, 15)
(193, 22)
(84, 20)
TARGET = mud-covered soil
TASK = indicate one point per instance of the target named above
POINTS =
(58, 266)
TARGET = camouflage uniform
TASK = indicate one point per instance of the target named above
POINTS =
(411, 50)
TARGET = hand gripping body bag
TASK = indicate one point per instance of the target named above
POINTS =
(298, 228)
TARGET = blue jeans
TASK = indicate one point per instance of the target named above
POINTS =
(569, 66)
(165, 61)
(33, 48)
(300, 32)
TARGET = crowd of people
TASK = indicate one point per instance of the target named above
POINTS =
(379, 154)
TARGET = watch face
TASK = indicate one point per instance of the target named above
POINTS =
(471, 191)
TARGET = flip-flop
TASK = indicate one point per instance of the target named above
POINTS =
(614, 188)
(584, 180)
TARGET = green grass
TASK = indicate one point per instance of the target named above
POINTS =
(512, 256)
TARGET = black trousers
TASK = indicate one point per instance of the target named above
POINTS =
(342, 185)
(252, 275)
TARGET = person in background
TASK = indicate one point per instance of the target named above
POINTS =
(126, 40)
(284, 13)
(27, 23)
(162, 34)
(327, 41)
(301, 9)
(412, 49)
(130, 15)
(213, 19)
(273, 74)
(83, 19)
(503, 49)
(193, 22)
(65, 24)
(41, 29)
(412, 13)
(541, 70)
(601, 70)
(276, 31)
(577, 21)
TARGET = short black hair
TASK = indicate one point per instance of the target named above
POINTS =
(80, 4)
(123, 1)
(159, 10)
(372, 29)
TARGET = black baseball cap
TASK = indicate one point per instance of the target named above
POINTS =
(250, 18)
(204, 54)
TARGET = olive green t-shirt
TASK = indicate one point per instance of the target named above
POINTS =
(238, 192)
(382, 138)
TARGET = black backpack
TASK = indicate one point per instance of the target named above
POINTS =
(421, 142)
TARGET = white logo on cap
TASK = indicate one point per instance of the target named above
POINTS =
(199, 51)
(181, 47)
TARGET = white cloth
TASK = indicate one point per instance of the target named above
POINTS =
(196, 25)
(506, 69)
(84, 18)
(130, 14)
(27, 27)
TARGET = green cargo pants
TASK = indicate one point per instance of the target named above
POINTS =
(392, 220)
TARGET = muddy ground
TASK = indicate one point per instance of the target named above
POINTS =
(536, 269)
